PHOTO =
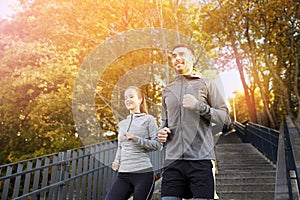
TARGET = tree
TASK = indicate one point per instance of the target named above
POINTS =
(42, 48)
(252, 33)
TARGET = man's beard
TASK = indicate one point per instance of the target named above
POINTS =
(183, 70)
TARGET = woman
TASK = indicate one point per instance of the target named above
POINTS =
(137, 135)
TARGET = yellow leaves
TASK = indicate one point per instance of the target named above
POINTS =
(31, 19)
(209, 7)
(43, 85)
(54, 135)
(51, 135)
(82, 108)
(22, 117)
(99, 89)
(10, 157)
(30, 91)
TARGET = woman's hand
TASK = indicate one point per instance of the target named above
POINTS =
(130, 136)
(115, 165)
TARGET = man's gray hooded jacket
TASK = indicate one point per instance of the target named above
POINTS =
(191, 135)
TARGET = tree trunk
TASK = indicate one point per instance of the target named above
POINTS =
(250, 104)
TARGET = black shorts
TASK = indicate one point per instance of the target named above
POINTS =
(187, 179)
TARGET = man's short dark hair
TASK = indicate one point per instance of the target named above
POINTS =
(189, 47)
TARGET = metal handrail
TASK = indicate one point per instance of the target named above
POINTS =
(282, 148)
(292, 146)
(81, 173)
(263, 138)
(85, 173)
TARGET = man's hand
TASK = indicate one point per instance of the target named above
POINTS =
(115, 165)
(163, 134)
(189, 101)
(130, 136)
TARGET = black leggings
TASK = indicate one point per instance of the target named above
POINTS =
(140, 184)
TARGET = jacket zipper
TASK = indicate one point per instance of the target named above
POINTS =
(131, 119)
(180, 117)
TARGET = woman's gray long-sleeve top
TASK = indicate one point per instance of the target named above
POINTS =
(133, 155)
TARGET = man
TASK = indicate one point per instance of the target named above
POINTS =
(190, 105)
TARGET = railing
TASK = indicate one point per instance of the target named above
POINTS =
(282, 148)
(291, 143)
(263, 138)
(85, 173)
(82, 173)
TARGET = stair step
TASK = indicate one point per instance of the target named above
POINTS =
(245, 180)
(243, 160)
(239, 151)
(238, 173)
(249, 167)
(234, 146)
(243, 172)
(247, 187)
(229, 156)
(254, 195)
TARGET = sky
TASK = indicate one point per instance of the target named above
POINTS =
(231, 82)
(6, 7)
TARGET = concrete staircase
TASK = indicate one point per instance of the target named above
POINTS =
(243, 173)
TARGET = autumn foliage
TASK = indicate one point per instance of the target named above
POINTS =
(43, 45)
